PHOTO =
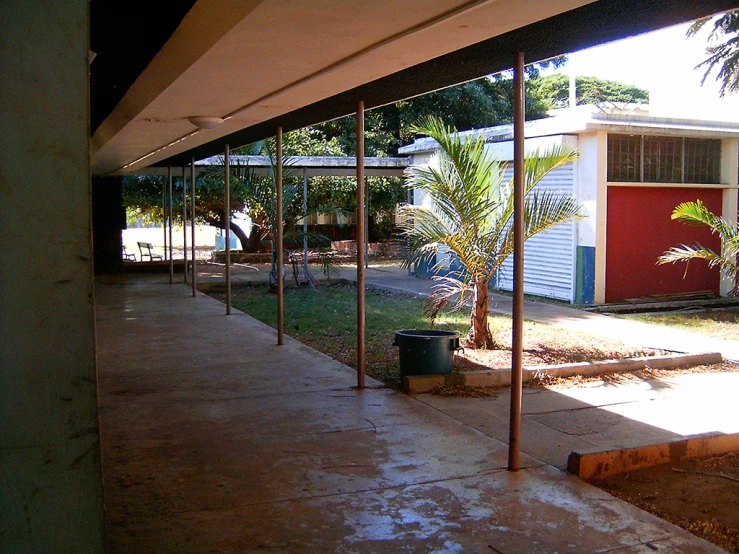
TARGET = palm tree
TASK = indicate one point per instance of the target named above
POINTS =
(724, 55)
(696, 213)
(471, 216)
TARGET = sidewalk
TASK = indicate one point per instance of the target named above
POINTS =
(216, 440)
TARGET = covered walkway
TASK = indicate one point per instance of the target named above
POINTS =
(216, 440)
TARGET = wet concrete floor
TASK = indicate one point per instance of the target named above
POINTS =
(214, 439)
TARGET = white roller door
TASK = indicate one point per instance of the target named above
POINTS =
(549, 256)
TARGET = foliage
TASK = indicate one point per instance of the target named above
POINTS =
(723, 56)
(554, 90)
(696, 213)
(143, 198)
(261, 193)
(481, 103)
(471, 216)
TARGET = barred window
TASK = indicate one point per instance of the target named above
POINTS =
(702, 160)
(654, 159)
(624, 158)
(663, 160)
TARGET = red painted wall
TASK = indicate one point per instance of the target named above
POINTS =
(639, 230)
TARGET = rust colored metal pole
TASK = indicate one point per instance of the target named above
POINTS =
(361, 246)
(305, 225)
(184, 223)
(408, 240)
(164, 218)
(514, 443)
(366, 224)
(278, 238)
(192, 223)
(227, 216)
(171, 261)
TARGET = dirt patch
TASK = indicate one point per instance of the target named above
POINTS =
(545, 345)
(551, 382)
(547, 381)
(701, 496)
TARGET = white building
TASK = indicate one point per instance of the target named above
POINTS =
(632, 171)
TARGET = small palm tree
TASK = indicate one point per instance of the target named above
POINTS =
(471, 216)
(696, 213)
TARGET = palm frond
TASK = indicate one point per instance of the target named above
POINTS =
(687, 253)
(448, 290)
(696, 213)
(542, 211)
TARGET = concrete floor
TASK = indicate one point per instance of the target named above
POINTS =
(216, 440)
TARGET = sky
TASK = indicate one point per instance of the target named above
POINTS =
(662, 62)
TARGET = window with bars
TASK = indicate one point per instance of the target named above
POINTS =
(654, 159)
(624, 158)
(702, 161)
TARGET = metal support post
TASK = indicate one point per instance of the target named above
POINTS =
(227, 216)
(277, 236)
(366, 224)
(192, 223)
(360, 245)
(184, 223)
(164, 218)
(514, 443)
(305, 225)
(408, 240)
(171, 260)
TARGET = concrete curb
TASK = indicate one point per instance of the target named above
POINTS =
(418, 384)
(593, 464)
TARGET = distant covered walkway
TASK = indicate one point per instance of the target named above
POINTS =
(216, 440)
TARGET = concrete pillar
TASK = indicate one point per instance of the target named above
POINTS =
(729, 176)
(108, 220)
(601, 214)
(51, 497)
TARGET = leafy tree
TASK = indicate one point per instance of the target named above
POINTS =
(481, 103)
(142, 197)
(471, 216)
(723, 56)
(554, 90)
(143, 194)
(696, 213)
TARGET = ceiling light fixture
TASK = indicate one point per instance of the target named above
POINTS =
(205, 121)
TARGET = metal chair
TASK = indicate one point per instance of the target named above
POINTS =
(148, 246)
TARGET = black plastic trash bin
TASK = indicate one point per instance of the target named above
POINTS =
(426, 352)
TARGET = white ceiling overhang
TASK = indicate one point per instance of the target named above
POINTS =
(251, 61)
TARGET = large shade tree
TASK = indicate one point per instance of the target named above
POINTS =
(554, 90)
(470, 216)
(480, 103)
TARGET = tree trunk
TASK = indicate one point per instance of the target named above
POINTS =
(479, 335)
(255, 239)
(236, 230)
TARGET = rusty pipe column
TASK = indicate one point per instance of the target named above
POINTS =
(360, 245)
(171, 261)
(192, 222)
(164, 218)
(227, 215)
(184, 223)
(514, 442)
(278, 237)
(305, 225)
